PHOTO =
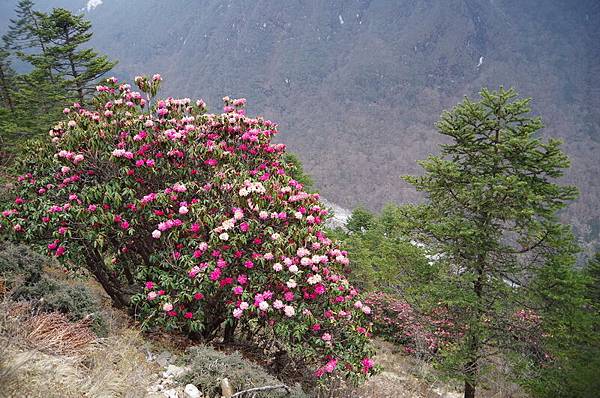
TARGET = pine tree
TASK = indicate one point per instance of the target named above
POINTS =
(79, 68)
(592, 270)
(22, 31)
(504, 261)
(360, 220)
(6, 81)
(25, 36)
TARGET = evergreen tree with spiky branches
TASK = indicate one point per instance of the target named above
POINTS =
(505, 263)
(78, 67)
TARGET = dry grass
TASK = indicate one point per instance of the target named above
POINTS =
(54, 334)
(117, 367)
(403, 377)
(46, 356)
(406, 377)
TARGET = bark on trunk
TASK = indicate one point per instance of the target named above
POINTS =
(469, 390)
(118, 292)
(229, 332)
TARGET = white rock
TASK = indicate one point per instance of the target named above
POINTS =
(191, 391)
(226, 389)
(154, 388)
(173, 371)
(172, 393)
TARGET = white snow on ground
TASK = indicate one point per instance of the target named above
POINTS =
(91, 4)
(339, 214)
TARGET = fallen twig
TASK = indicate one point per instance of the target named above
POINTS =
(264, 388)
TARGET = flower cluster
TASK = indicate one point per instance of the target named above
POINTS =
(193, 218)
(421, 335)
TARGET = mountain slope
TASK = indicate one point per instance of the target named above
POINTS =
(358, 85)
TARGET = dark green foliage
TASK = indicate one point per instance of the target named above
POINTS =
(360, 221)
(26, 280)
(296, 170)
(6, 81)
(60, 70)
(209, 366)
(592, 271)
(381, 255)
(505, 264)
(20, 265)
(577, 375)
(53, 295)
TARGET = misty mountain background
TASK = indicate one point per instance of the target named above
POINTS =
(357, 85)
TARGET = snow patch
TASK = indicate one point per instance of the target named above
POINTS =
(339, 215)
(92, 4)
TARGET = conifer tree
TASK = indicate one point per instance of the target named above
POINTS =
(360, 220)
(22, 31)
(61, 71)
(25, 36)
(6, 80)
(505, 263)
(79, 67)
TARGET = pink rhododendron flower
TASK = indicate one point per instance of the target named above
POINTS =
(367, 364)
(198, 296)
(215, 274)
(330, 366)
(289, 311)
(238, 290)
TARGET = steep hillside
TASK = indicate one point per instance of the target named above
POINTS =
(357, 85)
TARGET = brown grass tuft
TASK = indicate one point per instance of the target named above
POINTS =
(53, 333)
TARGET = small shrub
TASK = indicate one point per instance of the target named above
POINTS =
(398, 321)
(22, 271)
(209, 366)
(20, 265)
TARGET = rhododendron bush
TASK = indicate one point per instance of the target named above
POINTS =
(191, 219)
(419, 334)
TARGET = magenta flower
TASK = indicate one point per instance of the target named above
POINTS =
(367, 364)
